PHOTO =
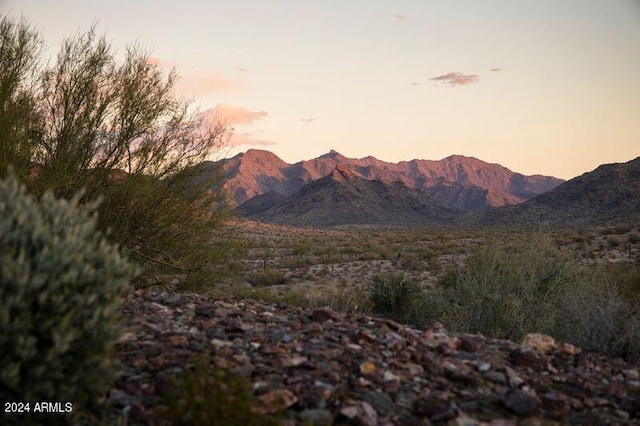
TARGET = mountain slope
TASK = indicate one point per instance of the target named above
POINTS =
(608, 194)
(459, 182)
(343, 198)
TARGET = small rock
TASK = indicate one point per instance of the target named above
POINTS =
(569, 349)
(521, 403)
(519, 358)
(631, 374)
(496, 377)
(449, 412)
(381, 403)
(388, 376)
(274, 401)
(514, 379)
(415, 369)
(178, 340)
(361, 414)
(483, 368)
(235, 326)
(463, 421)
(538, 342)
(293, 361)
(368, 368)
(467, 344)
(316, 417)
(324, 314)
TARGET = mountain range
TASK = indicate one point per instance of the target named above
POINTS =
(334, 190)
(458, 182)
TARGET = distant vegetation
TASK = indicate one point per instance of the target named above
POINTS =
(525, 285)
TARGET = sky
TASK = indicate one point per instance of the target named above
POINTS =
(540, 86)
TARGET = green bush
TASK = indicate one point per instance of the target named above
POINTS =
(597, 318)
(508, 290)
(530, 285)
(60, 284)
(267, 277)
(398, 297)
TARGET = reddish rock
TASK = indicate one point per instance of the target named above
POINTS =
(325, 314)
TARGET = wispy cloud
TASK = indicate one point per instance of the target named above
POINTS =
(235, 115)
(241, 69)
(398, 17)
(239, 118)
(309, 119)
(202, 83)
(456, 79)
(495, 69)
(415, 83)
(193, 82)
(249, 138)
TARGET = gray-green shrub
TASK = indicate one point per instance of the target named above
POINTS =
(508, 290)
(598, 317)
(60, 284)
(531, 285)
(399, 297)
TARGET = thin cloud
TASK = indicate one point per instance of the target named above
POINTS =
(495, 69)
(398, 17)
(201, 83)
(241, 69)
(193, 82)
(415, 83)
(248, 138)
(241, 120)
(310, 119)
(456, 79)
(234, 114)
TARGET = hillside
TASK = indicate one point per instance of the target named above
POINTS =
(606, 195)
(458, 182)
(344, 198)
(322, 367)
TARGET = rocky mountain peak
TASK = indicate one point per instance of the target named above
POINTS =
(341, 173)
(333, 155)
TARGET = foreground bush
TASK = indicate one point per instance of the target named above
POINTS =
(60, 284)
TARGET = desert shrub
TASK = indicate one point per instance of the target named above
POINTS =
(60, 284)
(530, 285)
(267, 277)
(397, 296)
(621, 228)
(597, 318)
(508, 290)
(111, 124)
(345, 300)
(201, 395)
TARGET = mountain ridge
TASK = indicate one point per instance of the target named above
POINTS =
(609, 193)
(342, 198)
(459, 182)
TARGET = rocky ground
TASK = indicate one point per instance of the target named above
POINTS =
(322, 367)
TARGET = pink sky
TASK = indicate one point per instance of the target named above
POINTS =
(539, 86)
